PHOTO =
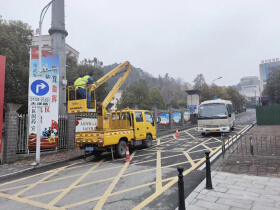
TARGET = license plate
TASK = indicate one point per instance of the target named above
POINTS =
(212, 130)
(89, 148)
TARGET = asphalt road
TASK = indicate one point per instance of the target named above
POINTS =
(149, 181)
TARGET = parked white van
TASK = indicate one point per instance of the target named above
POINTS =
(215, 116)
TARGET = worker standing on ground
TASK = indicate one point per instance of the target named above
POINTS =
(82, 92)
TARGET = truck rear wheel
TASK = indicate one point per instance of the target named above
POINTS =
(121, 149)
(148, 141)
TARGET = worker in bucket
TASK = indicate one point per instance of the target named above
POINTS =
(81, 83)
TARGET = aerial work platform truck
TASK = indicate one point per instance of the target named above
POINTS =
(100, 129)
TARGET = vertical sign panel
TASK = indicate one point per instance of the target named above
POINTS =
(2, 88)
(43, 91)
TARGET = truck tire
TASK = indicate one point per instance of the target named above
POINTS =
(148, 142)
(121, 149)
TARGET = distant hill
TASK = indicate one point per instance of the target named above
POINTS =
(135, 75)
(173, 90)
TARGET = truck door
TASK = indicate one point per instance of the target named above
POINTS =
(139, 126)
(150, 124)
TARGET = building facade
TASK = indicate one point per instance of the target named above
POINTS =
(46, 45)
(250, 88)
(115, 100)
(265, 68)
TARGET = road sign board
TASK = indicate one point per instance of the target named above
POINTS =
(39, 101)
(39, 87)
(192, 107)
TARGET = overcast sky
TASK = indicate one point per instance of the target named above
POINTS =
(226, 38)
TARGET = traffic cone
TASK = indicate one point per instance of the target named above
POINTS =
(127, 158)
(177, 133)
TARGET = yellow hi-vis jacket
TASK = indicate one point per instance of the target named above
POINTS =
(80, 81)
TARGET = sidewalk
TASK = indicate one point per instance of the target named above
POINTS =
(232, 192)
(243, 181)
(46, 159)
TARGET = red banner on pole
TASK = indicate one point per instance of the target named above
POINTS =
(2, 88)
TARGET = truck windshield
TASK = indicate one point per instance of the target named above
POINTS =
(212, 111)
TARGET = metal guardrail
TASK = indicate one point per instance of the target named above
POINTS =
(22, 137)
(22, 140)
(252, 145)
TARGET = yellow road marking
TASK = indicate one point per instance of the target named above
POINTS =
(158, 141)
(132, 188)
(41, 180)
(207, 147)
(61, 195)
(189, 158)
(158, 174)
(13, 188)
(23, 200)
(47, 193)
(190, 135)
(156, 159)
(144, 154)
(112, 185)
(47, 172)
(81, 202)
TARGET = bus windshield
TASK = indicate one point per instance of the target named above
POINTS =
(212, 111)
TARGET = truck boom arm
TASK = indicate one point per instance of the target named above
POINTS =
(109, 75)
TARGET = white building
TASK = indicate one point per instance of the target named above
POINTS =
(46, 45)
(250, 88)
(116, 99)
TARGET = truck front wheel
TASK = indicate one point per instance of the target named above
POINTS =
(148, 141)
(121, 149)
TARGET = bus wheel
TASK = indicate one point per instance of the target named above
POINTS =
(121, 149)
(203, 134)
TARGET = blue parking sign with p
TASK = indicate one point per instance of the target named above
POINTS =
(40, 87)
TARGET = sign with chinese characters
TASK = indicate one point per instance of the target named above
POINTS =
(86, 124)
(43, 93)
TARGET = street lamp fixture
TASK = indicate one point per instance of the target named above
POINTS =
(216, 79)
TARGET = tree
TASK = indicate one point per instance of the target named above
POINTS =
(156, 98)
(236, 98)
(15, 41)
(272, 87)
(96, 67)
(136, 93)
(199, 81)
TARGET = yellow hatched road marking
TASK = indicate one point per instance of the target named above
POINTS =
(112, 185)
(158, 172)
(23, 200)
(189, 158)
(61, 195)
(41, 180)
(190, 135)
(204, 145)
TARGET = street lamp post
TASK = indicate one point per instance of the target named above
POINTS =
(214, 81)
(38, 136)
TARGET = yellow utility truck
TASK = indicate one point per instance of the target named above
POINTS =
(100, 129)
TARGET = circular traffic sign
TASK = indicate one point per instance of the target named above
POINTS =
(40, 87)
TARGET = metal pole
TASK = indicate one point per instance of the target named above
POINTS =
(251, 145)
(38, 136)
(208, 171)
(181, 188)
